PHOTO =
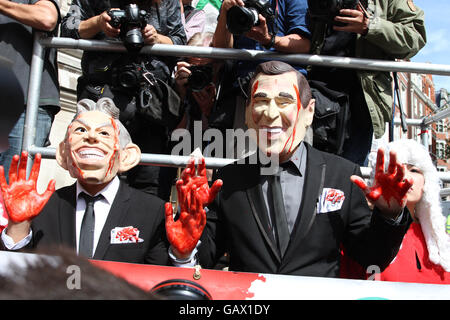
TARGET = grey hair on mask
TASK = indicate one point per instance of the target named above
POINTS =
(107, 106)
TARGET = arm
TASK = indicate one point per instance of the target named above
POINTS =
(292, 34)
(222, 37)
(22, 201)
(290, 39)
(42, 15)
(157, 253)
(290, 43)
(83, 22)
(193, 195)
(375, 239)
(100, 23)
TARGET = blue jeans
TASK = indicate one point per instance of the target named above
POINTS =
(45, 118)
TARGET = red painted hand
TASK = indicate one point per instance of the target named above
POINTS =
(193, 195)
(22, 201)
(389, 189)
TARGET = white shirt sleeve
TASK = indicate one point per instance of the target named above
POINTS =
(189, 262)
(11, 245)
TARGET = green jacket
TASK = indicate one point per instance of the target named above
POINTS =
(396, 31)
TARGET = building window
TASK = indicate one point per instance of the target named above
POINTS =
(441, 126)
(440, 149)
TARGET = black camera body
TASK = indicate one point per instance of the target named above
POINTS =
(130, 20)
(326, 10)
(200, 77)
(242, 19)
(129, 76)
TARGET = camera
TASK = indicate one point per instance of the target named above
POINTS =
(180, 289)
(129, 76)
(130, 20)
(326, 10)
(200, 77)
(242, 19)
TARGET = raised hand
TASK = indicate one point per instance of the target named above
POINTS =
(193, 195)
(22, 201)
(389, 189)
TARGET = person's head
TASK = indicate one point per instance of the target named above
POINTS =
(58, 273)
(280, 108)
(423, 199)
(97, 146)
(201, 39)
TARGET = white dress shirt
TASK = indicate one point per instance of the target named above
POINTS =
(101, 209)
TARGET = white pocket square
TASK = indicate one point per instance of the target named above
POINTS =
(330, 200)
(125, 235)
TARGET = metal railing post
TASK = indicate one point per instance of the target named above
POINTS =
(34, 91)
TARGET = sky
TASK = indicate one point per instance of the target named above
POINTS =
(437, 49)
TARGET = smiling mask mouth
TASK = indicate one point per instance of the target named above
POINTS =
(91, 153)
(273, 130)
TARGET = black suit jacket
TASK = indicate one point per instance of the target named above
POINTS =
(238, 223)
(55, 225)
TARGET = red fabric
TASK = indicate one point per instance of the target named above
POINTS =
(404, 267)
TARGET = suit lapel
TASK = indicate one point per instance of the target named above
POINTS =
(313, 183)
(259, 210)
(118, 211)
(66, 214)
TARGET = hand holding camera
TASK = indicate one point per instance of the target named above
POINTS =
(199, 80)
(150, 34)
(346, 15)
(130, 21)
(353, 20)
(261, 33)
(245, 15)
(103, 21)
(182, 74)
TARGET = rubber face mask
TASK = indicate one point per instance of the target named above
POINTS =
(276, 114)
(91, 151)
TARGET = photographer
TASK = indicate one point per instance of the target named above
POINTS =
(138, 84)
(386, 30)
(204, 86)
(278, 25)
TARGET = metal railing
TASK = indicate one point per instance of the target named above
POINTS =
(41, 41)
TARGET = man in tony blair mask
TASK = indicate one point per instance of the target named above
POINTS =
(372, 29)
(137, 83)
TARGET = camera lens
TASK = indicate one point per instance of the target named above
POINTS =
(199, 78)
(128, 79)
(180, 289)
(133, 40)
(241, 19)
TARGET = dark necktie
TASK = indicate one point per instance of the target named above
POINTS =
(87, 226)
(281, 225)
